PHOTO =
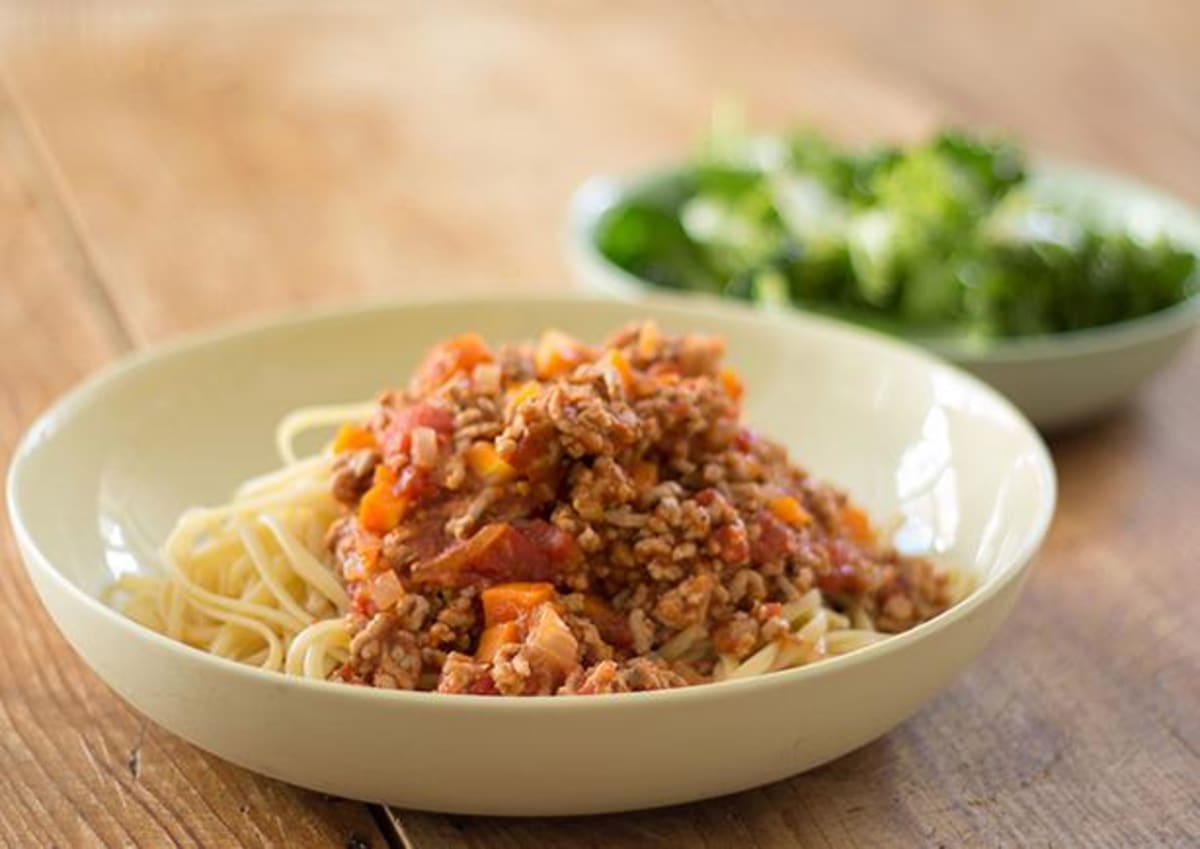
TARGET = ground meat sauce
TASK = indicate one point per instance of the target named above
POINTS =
(545, 518)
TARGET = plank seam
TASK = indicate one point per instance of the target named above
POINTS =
(63, 217)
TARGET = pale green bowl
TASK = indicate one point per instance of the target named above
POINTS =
(1057, 380)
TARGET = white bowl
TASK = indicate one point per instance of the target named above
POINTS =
(1058, 380)
(105, 472)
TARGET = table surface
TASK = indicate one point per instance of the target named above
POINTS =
(169, 168)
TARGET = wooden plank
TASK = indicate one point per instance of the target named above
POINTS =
(79, 767)
(230, 163)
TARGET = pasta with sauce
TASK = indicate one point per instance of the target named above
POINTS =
(537, 519)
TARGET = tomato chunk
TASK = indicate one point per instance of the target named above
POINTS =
(499, 553)
(446, 359)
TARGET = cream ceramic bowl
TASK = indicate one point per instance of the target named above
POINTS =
(100, 478)
(1058, 380)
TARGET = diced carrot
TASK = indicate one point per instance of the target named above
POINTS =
(495, 636)
(855, 521)
(352, 437)
(484, 461)
(620, 364)
(506, 602)
(381, 507)
(645, 474)
(788, 509)
(732, 383)
(557, 353)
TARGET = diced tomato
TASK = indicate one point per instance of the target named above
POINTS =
(499, 553)
(774, 541)
(842, 578)
(744, 440)
(733, 542)
(557, 545)
(613, 627)
(397, 434)
(446, 359)
(361, 601)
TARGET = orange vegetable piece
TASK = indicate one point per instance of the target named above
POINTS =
(381, 508)
(557, 353)
(495, 636)
(486, 462)
(788, 509)
(855, 521)
(458, 354)
(620, 364)
(732, 383)
(352, 437)
(506, 602)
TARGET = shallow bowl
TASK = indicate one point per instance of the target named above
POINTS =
(1058, 380)
(100, 478)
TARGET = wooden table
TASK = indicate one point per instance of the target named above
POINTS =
(164, 169)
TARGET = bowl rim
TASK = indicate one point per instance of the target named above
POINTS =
(597, 195)
(75, 401)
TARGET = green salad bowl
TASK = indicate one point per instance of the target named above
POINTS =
(1058, 380)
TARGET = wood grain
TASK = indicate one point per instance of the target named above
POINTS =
(227, 162)
(77, 766)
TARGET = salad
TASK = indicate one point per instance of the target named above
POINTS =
(946, 236)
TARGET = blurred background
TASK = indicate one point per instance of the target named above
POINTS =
(221, 157)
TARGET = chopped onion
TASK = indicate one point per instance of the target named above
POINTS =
(487, 378)
(424, 447)
(553, 640)
(386, 590)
